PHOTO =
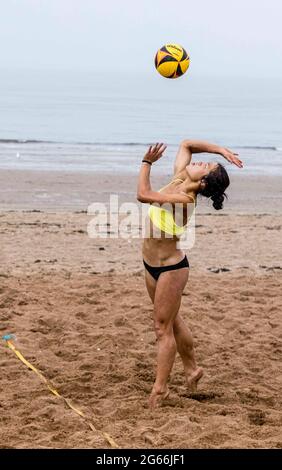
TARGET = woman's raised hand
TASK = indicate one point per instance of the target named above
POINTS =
(155, 152)
(232, 157)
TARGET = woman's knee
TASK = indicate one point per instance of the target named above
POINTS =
(163, 328)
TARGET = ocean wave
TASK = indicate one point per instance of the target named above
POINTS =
(255, 147)
(122, 144)
(98, 144)
(26, 141)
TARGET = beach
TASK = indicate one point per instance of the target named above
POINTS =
(86, 90)
(81, 315)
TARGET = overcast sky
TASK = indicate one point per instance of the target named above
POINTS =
(223, 37)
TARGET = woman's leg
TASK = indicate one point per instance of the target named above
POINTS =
(151, 285)
(185, 347)
(167, 301)
(183, 338)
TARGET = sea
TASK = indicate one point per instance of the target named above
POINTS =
(96, 121)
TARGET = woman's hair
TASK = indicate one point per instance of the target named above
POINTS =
(216, 183)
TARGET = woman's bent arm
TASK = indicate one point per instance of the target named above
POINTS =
(144, 190)
(144, 185)
(188, 147)
(199, 146)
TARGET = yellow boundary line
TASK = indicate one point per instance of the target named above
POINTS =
(10, 345)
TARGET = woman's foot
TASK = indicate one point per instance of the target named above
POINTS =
(157, 397)
(193, 379)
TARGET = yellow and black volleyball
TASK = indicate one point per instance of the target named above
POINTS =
(172, 61)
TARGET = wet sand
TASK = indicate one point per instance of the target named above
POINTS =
(70, 191)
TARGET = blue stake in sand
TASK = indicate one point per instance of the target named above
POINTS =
(8, 337)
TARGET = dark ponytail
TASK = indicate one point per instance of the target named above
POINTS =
(215, 184)
(218, 199)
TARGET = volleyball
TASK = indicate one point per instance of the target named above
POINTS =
(172, 61)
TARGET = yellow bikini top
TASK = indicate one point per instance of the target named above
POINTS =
(163, 219)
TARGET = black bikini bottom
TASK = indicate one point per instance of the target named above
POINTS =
(156, 271)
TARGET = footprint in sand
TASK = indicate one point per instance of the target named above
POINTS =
(202, 396)
(218, 270)
(269, 268)
(257, 417)
(275, 227)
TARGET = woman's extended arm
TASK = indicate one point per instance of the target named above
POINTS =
(188, 147)
(144, 191)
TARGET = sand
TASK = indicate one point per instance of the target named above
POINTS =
(81, 314)
(60, 191)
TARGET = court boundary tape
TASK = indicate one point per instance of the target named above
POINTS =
(10, 345)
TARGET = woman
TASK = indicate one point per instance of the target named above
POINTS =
(166, 266)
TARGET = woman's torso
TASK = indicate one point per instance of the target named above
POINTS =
(160, 248)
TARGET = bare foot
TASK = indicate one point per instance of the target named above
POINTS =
(193, 379)
(156, 398)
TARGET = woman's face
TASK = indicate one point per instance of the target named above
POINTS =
(197, 170)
